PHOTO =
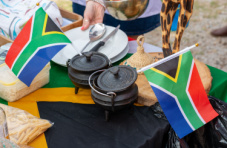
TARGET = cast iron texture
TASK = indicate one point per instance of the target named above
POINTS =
(118, 98)
(81, 67)
(117, 79)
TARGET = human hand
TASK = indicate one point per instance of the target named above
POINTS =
(93, 14)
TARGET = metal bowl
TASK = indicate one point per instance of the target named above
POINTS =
(126, 9)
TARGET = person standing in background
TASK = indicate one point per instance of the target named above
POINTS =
(93, 12)
(220, 32)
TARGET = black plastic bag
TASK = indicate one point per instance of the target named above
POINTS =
(172, 141)
(211, 135)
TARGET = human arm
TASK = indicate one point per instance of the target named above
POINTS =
(93, 13)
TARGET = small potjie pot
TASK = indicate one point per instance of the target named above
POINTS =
(114, 89)
(81, 67)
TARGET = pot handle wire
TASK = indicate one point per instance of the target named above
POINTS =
(109, 94)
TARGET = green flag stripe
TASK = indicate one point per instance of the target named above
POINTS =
(39, 19)
(179, 88)
(161, 79)
(34, 45)
(38, 41)
(182, 96)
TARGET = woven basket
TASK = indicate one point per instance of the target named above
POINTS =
(139, 59)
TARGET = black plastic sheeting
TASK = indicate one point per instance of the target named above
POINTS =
(211, 135)
(83, 126)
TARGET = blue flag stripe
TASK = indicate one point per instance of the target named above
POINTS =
(173, 113)
(38, 62)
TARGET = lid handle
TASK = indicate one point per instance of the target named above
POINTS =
(115, 70)
(88, 55)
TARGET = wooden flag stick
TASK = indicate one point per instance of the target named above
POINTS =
(76, 49)
(37, 4)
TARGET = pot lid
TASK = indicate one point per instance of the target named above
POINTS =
(89, 61)
(117, 78)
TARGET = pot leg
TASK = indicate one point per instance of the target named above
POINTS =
(107, 115)
(131, 109)
(76, 90)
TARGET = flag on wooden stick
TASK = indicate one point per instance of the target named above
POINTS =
(180, 92)
(38, 42)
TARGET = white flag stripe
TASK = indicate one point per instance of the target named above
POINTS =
(26, 43)
(189, 96)
(178, 103)
(40, 48)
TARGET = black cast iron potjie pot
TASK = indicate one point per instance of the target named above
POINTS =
(81, 67)
(114, 89)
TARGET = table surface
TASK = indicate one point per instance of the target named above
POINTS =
(78, 122)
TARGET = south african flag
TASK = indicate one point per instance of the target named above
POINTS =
(180, 92)
(38, 42)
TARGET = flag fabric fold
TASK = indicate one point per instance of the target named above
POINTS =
(38, 42)
(180, 92)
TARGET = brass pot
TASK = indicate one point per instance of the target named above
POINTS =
(126, 9)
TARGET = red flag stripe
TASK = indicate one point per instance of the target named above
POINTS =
(199, 97)
(19, 43)
(131, 39)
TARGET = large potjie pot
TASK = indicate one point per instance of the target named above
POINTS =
(114, 89)
(81, 67)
